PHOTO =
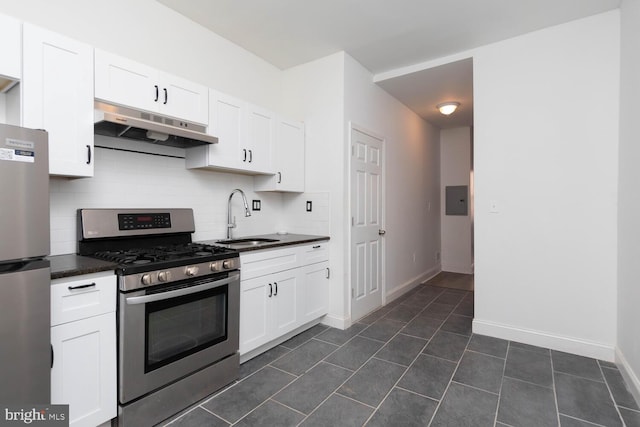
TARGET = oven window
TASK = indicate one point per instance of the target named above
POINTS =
(180, 326)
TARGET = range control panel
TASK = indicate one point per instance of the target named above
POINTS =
(143, 221)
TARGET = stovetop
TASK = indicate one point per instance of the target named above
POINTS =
(138, 260)
(140, 256)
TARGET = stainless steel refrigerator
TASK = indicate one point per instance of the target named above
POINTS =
(25, 344)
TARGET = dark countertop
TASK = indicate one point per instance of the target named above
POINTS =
(283, 240)
(75, 265)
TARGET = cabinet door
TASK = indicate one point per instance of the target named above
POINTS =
(183, 99)
(125, 82)
(228, 122)
(285, 300)
(261, 132)
(287, 159)
(10, 58)
(289, 156)
(255, 308)
(57, 95)
(84, 369)
(315, 291)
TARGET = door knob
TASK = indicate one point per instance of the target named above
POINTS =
(382, 232)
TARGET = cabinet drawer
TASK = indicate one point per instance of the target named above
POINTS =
(258, 264)
(85, 296)
(316, 252)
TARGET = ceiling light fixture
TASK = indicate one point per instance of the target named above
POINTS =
(447, 108)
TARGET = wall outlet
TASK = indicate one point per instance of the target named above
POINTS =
(256, 205)
(309, 206)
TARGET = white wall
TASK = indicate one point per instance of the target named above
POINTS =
(411, 167)
(314, 93)
(131, 180)
(628, 354)
(327, 95)
(546, 152)
(456, 230)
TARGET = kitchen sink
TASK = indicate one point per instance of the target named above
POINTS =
(247, 242)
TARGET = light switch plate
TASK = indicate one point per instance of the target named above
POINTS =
(309, 205)
(256, 205)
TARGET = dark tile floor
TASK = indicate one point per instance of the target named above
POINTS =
(415, 362)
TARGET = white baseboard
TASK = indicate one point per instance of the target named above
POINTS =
(398, 291)
(630, 377)
(462, 269)
(336, 321)
(543, 339)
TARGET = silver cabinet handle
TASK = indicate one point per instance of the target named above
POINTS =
(180, 292)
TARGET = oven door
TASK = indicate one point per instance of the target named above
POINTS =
(169, 332)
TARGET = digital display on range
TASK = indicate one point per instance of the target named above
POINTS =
(144, 221)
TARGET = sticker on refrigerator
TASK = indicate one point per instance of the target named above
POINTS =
(11, 155)
(17, 143)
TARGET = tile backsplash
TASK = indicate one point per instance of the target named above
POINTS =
(136, 180)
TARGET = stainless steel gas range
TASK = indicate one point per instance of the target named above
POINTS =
(178, 309)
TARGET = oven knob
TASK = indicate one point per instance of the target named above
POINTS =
(191, 271)
(164, 276)
(227, 264)
(214, 266)
(146, 279)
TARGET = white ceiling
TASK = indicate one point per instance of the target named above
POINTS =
(383, 35)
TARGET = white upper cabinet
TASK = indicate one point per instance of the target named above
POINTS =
(287, 159)
(245, 134)
(11, 49)
(57, 96)
(125, 82)
(258, 146)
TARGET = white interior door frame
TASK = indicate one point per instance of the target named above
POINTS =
(356, 127)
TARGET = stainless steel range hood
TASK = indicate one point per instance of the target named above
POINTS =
(122, 122)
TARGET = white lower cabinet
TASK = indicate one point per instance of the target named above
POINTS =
(83, 338)
(268, 308)
(277, 302)
(315, 292)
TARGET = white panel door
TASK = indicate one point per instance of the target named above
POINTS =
(367, 227)
(57, 96)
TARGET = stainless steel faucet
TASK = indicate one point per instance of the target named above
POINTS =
(231, 222)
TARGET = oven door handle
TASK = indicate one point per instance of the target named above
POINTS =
(180, 292)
